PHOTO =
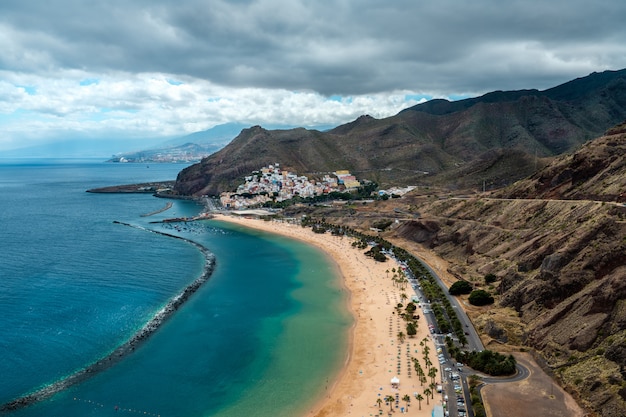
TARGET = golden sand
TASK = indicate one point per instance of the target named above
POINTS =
(376, 353)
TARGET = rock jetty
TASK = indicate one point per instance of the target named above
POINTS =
(129, 346)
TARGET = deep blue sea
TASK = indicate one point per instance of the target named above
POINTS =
(260, 338)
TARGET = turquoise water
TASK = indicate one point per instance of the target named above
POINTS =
(261, 337)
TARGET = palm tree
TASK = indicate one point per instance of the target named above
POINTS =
(427, 393)
(419, 370)
(407, 400)
(432, 390)
(403, 281)
(432, 373)
(427, 362)
(387, 271)
(419, 399)
(379, 401)
(401, 337)
(389, 399)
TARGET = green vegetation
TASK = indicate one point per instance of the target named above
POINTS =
(475, 397)
(382, 224)
(489, 278)
(480, 298)
(487, 361)
(460, 287)
(411, 329)
(376, 253)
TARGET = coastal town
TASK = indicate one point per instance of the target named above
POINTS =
(272, 183)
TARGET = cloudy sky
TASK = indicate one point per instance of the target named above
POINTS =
(159, 68)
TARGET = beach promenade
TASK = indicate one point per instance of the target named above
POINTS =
(376, 354)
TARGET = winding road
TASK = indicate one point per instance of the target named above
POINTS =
(447, 368)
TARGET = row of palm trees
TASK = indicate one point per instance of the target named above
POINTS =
(390, 399)
(399, 278)
(429, 391)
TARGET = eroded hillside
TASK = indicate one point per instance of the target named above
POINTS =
(597, 171)
(559, 266)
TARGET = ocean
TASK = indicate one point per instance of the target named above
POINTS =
(263, 336)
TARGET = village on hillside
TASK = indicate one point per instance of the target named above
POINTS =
(272, 183)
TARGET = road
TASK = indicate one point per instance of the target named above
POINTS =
(456, 394)
(473, 340)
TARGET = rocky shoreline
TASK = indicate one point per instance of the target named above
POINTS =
(129, 346)
(146, 187)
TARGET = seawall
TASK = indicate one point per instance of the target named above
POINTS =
(127, 347)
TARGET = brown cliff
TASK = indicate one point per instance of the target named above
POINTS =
(558, 257)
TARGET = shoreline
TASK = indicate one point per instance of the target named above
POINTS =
(375, 355)
(125, 348)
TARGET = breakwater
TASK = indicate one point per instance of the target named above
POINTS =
(127, 347)
(161, 210)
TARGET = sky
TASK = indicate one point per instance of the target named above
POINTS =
(133, 69)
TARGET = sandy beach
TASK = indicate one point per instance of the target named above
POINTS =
(376, 353)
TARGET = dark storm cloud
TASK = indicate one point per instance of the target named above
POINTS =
(332, 47)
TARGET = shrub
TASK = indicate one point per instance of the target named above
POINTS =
(376, 253)
(480, 298)
(489, 362)
(382, 224)
(489, 278)
(460, 287)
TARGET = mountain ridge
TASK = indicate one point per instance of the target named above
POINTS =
(556, 256)
(417, 147)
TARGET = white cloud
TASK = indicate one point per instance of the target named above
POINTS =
(151, 105)
(158, 67)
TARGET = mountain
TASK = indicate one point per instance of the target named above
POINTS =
(555, 245)
(188, 152)
(488, 141)
(597, 171)
(555, 242)
(76, 148)
(218, 136)
(188, 148)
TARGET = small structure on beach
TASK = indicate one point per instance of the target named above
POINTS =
(395, 382)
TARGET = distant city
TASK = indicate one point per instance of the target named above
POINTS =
(187, 153)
